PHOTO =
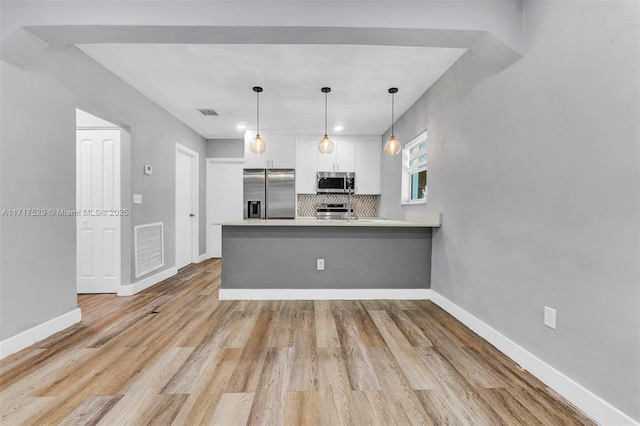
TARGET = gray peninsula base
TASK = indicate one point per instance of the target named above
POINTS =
(281, 257)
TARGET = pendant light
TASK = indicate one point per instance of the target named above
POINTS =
(392, 147)
(258, 145)
(325, 146)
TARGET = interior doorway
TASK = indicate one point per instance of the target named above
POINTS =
(98, 205)
(187, 229)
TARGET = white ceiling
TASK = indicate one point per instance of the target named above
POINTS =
(185, 77)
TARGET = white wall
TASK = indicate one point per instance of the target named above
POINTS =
(536, 172)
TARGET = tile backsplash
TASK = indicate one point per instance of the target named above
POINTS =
(363, 205)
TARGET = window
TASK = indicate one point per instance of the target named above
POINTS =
(414, 166)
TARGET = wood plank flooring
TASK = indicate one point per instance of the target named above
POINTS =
(175, 354)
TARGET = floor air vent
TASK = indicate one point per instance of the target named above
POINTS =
(149, 246)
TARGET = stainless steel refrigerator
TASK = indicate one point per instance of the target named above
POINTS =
(269, 193)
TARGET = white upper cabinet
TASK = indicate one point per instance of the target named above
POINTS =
(341, 159)
(280, 152)
(306, 167)
(346, 158)
(359, 154)
(326, 162)
(368, 166)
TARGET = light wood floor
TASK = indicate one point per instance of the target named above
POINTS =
(175, 354)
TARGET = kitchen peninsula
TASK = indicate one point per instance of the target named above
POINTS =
(306, 258)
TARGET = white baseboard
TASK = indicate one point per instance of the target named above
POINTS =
(323, 294)
(203, 257)
(131, 289)
(39, 332)
(595, 407)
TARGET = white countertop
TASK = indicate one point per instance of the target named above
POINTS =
(431, 222)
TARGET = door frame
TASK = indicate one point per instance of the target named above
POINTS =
(195, 200)
(212, 161)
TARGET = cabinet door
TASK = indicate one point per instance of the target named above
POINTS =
(326, 162)
(306, 166)
(283, 151)
(346, 155)
(368, 166)
(255, 161)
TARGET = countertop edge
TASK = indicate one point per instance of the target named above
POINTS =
(309, 222)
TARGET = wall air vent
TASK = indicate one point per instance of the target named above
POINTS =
(149, 248)
(208, 112)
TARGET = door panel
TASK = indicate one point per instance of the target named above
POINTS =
(85, 256)
(110, 173)
(98, 204)
(184, 209)
(109, 240)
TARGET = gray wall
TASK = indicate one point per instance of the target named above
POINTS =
(154, 134)
(225, 148)
(38, 266)
(285, 257)
(536, 172)
(38, 138)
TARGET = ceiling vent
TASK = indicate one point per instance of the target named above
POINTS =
(208, 112)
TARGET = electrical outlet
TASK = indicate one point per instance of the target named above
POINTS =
(320, 264)
(550, 317)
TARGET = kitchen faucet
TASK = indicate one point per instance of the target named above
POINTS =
(349, 182)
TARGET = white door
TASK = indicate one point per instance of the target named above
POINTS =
(224, 199)
(98, 204)
(186, 206)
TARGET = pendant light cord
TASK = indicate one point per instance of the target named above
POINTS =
(325, 113)
(393, 104)
(258, 112)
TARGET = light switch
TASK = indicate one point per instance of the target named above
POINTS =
(148, 169)
(137, 198)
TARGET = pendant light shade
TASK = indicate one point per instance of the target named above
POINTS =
(325, 146)
(392, 147)
(258, 145)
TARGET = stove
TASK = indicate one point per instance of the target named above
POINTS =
(332, 211)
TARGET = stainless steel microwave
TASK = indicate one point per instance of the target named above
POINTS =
(336, 182)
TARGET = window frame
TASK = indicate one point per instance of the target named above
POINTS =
(405, 196)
